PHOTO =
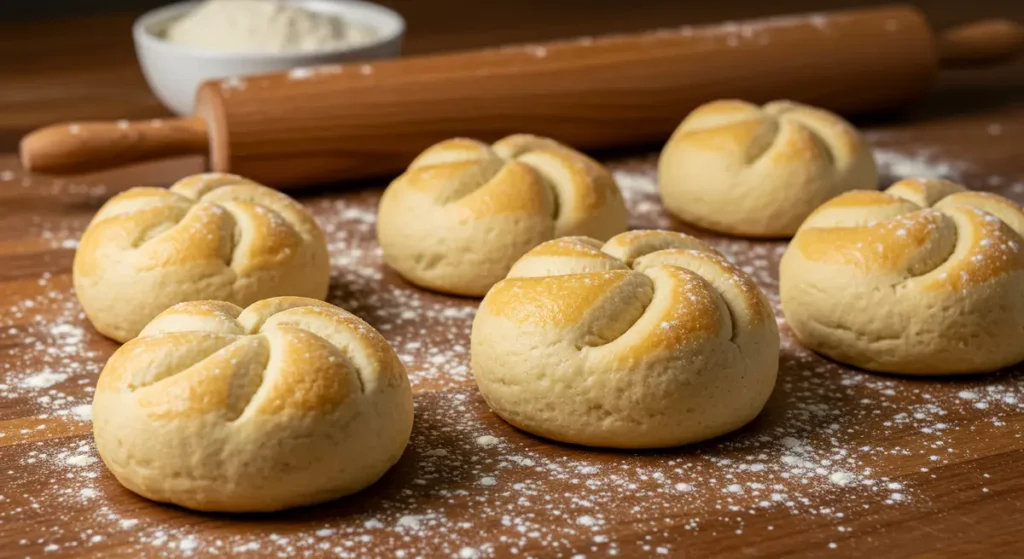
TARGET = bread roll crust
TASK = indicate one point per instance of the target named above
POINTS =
(924, 278)
(211, 236)
(465, 211)
(288, 403)
(650, 340)
(742, 169)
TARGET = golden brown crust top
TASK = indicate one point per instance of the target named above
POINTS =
(633, 278)
(633, 244)
(562, 299)
(918, 227)
(566, 255)
(782, 130)
(924, 192)
(281, 355)
(519, 175)
(201, 218)
(685, 312)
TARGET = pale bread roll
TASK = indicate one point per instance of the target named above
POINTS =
(741, 169)
(288, 403)
(211, 236)
(465, 211)
(651, 340)
(924, 278)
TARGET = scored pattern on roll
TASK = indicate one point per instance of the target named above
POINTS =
(650, 340)
(210, 236)
(924, 278)
(290, 402)
(742, 169)
(464, 211)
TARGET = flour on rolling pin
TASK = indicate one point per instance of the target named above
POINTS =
(264, 26)
(302, 73)
(732, 33)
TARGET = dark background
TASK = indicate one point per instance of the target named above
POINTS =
(548, 13)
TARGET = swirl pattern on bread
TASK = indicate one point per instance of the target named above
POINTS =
(211, 236)
(465, 211)
(288, 403)
(924, 278)
(652, 339)
(742, 169)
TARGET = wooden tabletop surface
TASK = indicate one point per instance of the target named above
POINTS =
(841, 462)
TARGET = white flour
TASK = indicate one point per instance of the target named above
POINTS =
(264, 26)
(924, 163)
(44, 379)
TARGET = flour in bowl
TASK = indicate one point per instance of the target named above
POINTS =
(264, 26)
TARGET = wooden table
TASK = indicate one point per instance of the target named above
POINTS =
(841, 462)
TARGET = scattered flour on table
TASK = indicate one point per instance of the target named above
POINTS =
(924, 163)
(54, 368)
(487, 441)
(44, 379)
(83, 412)
(836, 442)
(80, 460)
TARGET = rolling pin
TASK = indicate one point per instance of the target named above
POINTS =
(337, 123)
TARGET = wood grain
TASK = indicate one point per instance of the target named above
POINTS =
(348, 122)
(96, 146)
(85, 68)
(355, 121)
(965, 503)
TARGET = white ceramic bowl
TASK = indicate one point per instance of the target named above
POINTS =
(174, 72)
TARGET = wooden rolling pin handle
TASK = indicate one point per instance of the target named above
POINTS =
(981, 42)
(92, 146)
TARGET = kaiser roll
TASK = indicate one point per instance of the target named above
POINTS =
(746, 170)
(924, 278)
(211, 236)
(650, 340)
(464, 211)
(288, 403)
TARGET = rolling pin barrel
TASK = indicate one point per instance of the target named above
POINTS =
(355, 121)
(359, 121)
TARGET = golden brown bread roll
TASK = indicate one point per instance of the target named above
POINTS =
(288, 403)
(741, 169)
(651, 340)
(464, 211)
(211, 236)
(924, 278)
